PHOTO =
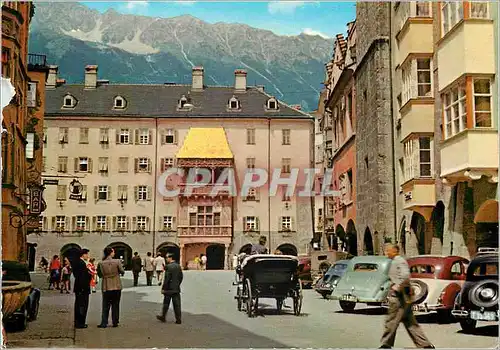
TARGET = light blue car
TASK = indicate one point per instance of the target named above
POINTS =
(366, 280)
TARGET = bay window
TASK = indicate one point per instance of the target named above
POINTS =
(479, 9)
(417, 161)
(416, 76)
(482, 103)
(455, 113)
(452, 12)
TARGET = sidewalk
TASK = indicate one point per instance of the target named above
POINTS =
(54, 325)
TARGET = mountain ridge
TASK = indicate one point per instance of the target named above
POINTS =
(142, 49)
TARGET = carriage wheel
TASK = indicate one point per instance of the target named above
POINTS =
(297, 300)
(249, 299)
(279, 305)
(239, 297)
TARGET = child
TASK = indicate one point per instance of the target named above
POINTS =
(65, 277)
(93, 270)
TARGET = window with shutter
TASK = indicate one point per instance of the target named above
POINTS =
(123, 165)
(170, 136)
(109, 193)
(149, 194)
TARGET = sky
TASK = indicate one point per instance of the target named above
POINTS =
(282, 17)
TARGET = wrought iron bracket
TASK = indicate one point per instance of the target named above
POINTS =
(18, 220)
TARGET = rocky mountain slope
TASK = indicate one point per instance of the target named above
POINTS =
(139, 49)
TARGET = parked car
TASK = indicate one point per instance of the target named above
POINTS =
(436, 281)
(16, 271)
(478, 299)
(366, 280)
(328, 282)
(305, 272)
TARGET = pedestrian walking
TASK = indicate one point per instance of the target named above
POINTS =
(66, 277)
(149, 266)
(81, 288)
(400, 306)
(136, 267)
(171, 289)
(203, 262)
(110, 270)
(44, 264)
(93, 270)
(159, 267)
(55, 272)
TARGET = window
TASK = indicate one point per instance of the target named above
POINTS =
(62, 190)
(424, 77)
(101, 223)
(286, 136)
(60, 223)
(142, 165)
(479, 9)
(170, 136)
(234, 103)
(182, 101)
(124, 137)
(252, 194)
(168, 163)
(142, 136)
(103, 164)
(81, 223)
(168, 223)
(62, 164)
(84, 135)
(63, 135)
(102, 193)
(286, 223)
(455, 112)
(204, 217)
(365, 267)
(251, 163)
(408, 160)
(272, 104)
(425, 156)
(83, 164)
(69, 101)
(422, 269)
(31, 100)
(285, 165)
(452, 12)
(121, 223)
(122, 192)
(482, 103)
(141, 224)
(485, 269)
(123, 165)
(119, 102)
(423, 8)
(142, 193)
(104, 135)
(250, 136)
(251, 224)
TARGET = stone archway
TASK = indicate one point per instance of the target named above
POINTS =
(352, 238)
(247, 249)
(215, 256)
(402, 236)
(368, 242)
(486, 220)
(70, 251)
(123, 251)
(288, 249)
(340, 234)
(169, 247)
(417, 226)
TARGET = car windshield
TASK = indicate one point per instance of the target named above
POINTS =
(423, 269)
(337, 269)
(365, 267)
(487, 269)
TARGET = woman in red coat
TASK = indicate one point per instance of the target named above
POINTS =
(93, 270)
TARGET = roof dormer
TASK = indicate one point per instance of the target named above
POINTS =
(184, 103)
(69, 101)
(234, 104)
(119, 103)
(272, 104)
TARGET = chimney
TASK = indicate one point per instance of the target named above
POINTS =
(197, 84)
(90, 76)
(240, 80)
(52, 77)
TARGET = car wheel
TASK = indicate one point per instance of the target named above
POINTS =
(22, 321)
(484, 293)
(35, 309)
(347, 305)
(468, 325)
(420, 291)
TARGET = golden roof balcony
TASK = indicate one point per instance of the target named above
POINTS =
(417, 116)
(470, 155)
(192, 190)
(420, 196)
(467, 48)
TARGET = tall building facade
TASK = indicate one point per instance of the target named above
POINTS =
(339, 124)
(16, 17)
(107, 145)
(446, 129)
(375, 181)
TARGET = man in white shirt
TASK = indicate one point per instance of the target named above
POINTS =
(203, 262)
(159, 264)
(149, 267)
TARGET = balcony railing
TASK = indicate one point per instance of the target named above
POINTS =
(36, 61)
(203, 191)
(204, 231)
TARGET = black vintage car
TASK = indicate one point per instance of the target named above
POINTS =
(478, 299)
(18, 321)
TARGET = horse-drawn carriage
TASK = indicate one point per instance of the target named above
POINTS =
(267, 276)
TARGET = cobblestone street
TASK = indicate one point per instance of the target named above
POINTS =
(211, 320)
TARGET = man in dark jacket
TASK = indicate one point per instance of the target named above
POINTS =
(81, 288)
(171, 289)
(261, 247)
(136, 267)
